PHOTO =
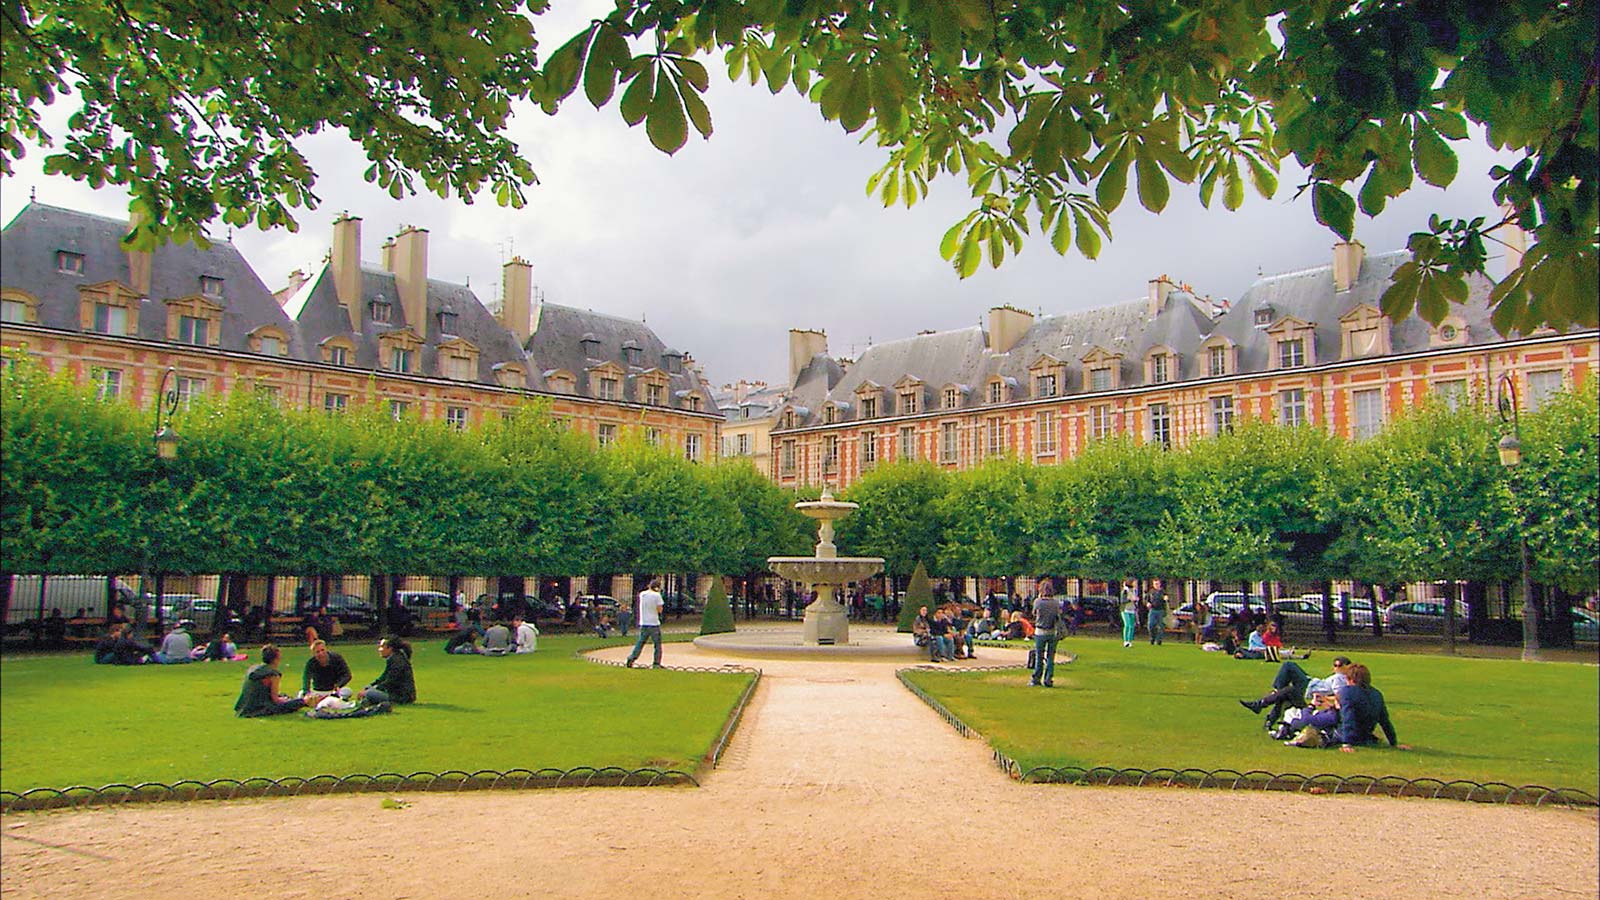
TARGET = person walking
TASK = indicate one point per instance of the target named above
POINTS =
(1156, 603)
(650, 604)
(1130, 611)
(1047, 623)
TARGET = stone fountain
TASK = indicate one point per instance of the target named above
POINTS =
(825, 621)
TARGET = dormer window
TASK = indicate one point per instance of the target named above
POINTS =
(1045, 385)
(869, 407)
(194, 320)
(1291, 353)
(1263, 316)
(1217, 357)
(1294, 343)
(338, 351)
(607, 388)
(997, 391)
(211, 287)
(908, 403)
(69, 263)
(632, 353)
(591, 346)
(952, 398)
(1160, 368)
(1216, 361)
(1364, 332)
(401, 359)
(788, 418)
(1101, 370)
(380, 309)
(830, 415)
(269, 341)
(1451, 332)
(1100, 378)
(655, 393)
(672, 361)
(192, 330)
(447, 322)
(110, 319)
(693, 403)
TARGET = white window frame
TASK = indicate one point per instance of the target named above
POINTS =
(107, 382)
(949, 442)
(1161, 424)
(994, 440)
(1044, 433)
(908, 442)
(1292, 407)
(1366, 412)
(1100, 421)
(1222, 414)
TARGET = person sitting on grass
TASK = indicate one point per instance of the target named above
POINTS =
(259, 694)
(1257, 646)
(175, 647)
(129, 650)
(497, 640)
(105, 649)
(525, 634)
(395, 684)
(325, 672)
(1293, 688)
(223, 649)
(1351, 719)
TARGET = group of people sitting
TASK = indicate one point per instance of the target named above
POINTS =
(499, 639)
(325, 684)
(1264, 641)
(1342, 710)
(947, 633)
(121, 648)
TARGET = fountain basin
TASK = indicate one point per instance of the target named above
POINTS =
(825, 570)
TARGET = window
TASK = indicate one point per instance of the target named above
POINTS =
(1291, 353)
(69, 263)
(1100, 379)
(400, 359)
(447, 322)
(398, 409)
(996, 391)
(908, 443)
(456, 417)
(272, 346)
(786, 458)
(869, 407)
(188, 388)
(744, 445)
(908, 403)
(1044, 433)
(335, 403)
(107, 382)
(339, 356)
(1217, 361)
(1160, 372)
(869, 449)
(673, 361)
(459, 367)
(193, 330)
(1263, 316)
(1541, 385)
(995, 436)
(591, 346)
(1454, 393)
(655, 393)
(269, 393)
(1221, 414)
(110, 319)
(608, 388)
(1045, 385)
(381, 310)
(1368, 412)
(788, 419)
(1292, 407)
(1161, 425)
(830, 453)
(952, 398)
(693, 402)
(652, 436)
(949, 442)
(632, 353)
(1100, 421)
(606, 435)
(13, 311)
(691, 447)
(830, 415)
(210, 287)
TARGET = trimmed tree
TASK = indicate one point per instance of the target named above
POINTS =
(718, 616)
(919, 593)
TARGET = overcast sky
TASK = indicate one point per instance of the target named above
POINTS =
(767, 226)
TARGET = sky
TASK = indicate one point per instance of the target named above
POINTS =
(767, 226)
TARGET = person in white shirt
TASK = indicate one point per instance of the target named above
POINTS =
(650, 604)
(527, 637)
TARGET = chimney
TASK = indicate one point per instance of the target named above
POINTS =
(803, 345)
(347, 266)
(411, 276)
(1347, 264)
(516, 298)
(297, 279)
(1515, 239)
(1160, 287)
(138, 260)
(388, 255)
(1007, 325)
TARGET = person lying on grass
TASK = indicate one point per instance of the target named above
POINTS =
(1350, 718)
(1293, 688)
(259, 695)
(396, 684)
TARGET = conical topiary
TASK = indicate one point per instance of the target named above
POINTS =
(718, 617)
(919, 593)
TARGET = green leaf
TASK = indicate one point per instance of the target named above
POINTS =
(1153, 188)
(1113, 183)
(951, 242)
(1372, 196)
(561, 71)
(971, 255)
(1061, 235)
(695, 73)
(599, 79)
(1088, 238)
(698, 113)
(636, 99)
(857, 105)
(1435, 161)
(1233, 187)
(1449, 122)
(666, 124)
(1334, 209)
(1262, 176)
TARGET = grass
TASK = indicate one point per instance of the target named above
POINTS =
(67, 722)
(1146, 707)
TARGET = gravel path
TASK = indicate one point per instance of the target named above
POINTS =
(839, 784)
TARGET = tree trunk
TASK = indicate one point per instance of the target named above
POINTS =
(38, 631)
(1330, 631)
(1452, 595)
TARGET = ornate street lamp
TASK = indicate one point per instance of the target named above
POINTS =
(166, 404)
(1510, 450)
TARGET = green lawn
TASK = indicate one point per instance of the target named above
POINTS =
(65, 721)
(1175, 706)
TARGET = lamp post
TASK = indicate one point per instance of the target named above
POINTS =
(166, 445)
(1510, 450)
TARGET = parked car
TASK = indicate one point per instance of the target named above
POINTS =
(1585, 625)
(600, 602)
(190, 608)
(1098, 608)
(1299, 614)
(352, 609)
(1228, 602)
(1422, 617)
(421, 600)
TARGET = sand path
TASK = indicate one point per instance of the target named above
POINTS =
(839, 784)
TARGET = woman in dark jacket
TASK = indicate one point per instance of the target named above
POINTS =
(395, 685)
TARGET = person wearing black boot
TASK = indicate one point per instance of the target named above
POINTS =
(1291, 686)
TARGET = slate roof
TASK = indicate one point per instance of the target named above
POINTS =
(28, 247)
(557, 343)
(757, 404)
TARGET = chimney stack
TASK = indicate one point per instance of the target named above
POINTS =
(138, 260)
(1347, 257)
(347, 266)
(1160, 287)
(804, 344)
(516, 298)
(297, 279)
(387, 255)
(1515, 239)
(411, 276)
(1007, 325)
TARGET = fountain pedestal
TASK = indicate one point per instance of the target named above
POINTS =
(826, 621)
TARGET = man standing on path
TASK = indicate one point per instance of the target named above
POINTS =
(1046, 628)
(650, 604)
